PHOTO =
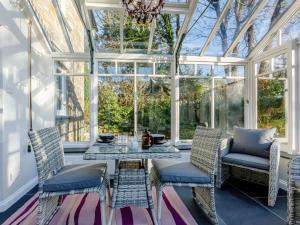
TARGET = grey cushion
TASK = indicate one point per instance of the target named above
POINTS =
(252, 141)
(75, 177)
(180, 172)
(247, 160)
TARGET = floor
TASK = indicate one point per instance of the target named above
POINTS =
(238, 203)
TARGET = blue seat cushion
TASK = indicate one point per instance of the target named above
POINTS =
(179, 172)
(255, 142)
(74, 177)
(247, 160)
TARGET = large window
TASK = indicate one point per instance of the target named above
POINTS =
(127, 89)
(115, 102)
(154, 105)
(72, 100)
(272, 94)
(211, 94)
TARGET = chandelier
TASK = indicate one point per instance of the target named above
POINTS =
(143, 11)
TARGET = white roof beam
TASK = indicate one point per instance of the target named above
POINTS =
(292, 10)
(216, 27)
(63, 25)
(187, 20)
(246, 26)
(152, 29)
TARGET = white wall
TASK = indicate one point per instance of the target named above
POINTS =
(18, 171)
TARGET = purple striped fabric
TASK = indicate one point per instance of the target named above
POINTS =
(85, 210)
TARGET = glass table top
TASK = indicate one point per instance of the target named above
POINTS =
(117, 151)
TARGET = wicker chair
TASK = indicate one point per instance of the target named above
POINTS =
(198, 173)
(293, 203)
(259, 170)
(56, 179)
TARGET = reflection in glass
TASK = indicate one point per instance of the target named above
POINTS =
(229, 103)
(195, 105)
(106, 67)
(221, 71)
(73, 107)
(125, 68)
(163, 68)
(144, 68)
(115, 105)
(280, 61)
(271, 102)
(203, 70)
(187, 69)
(154, 105)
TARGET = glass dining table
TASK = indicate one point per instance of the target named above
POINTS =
(132, 185)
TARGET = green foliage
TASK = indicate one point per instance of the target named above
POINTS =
(271, 104)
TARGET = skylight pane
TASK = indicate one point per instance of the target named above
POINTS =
(74, 25)
(231, 25)
(46, 13)
(136, 36)
(261, 25)
(292, 29)
(165, 34)
(203, 24)
(107, 37)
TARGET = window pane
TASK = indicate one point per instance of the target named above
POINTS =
(63, 67)
(163, 68)
(144, 68)
(203, 70)
(81, 67)
(125, 68)
(221, 71)
(263, 67)
(238, 71)
(271, 104)
(106, 67)
(280, 62)
(115, 106)
(195, 105)
(73, 107)
(186, 69)
(154, 105)
(229, 103)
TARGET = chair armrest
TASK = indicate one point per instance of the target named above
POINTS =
(274, 156)
(294, 169)
(225, 146)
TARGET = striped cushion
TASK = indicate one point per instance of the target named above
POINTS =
(75, 177)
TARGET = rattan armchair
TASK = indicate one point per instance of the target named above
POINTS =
(267, 175)
(55, 179)
(293, 197)
(198, 173)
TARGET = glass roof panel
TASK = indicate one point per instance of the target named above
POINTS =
(74, 25)
(231, 25)
(261, 25)
(292, 29)
(202, 26)
(47, 16)
(136, 36)
(107, 37)
(165, 34)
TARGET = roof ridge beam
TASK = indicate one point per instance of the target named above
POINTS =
(216, 27)
(246, 26)
(281, 21)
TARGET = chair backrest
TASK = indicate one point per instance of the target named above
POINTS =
(206, 143)
(48, 151)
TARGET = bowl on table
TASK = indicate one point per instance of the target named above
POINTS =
(105, 138)
(158, 139)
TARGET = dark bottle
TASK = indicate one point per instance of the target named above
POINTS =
(146, 139)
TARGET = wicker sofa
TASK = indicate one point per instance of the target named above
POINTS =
(293, 197)
(252, 155)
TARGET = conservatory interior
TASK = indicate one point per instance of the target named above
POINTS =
(189, 115)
